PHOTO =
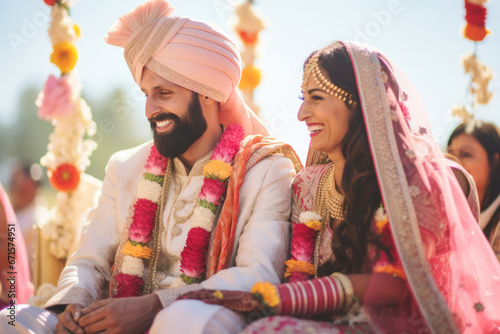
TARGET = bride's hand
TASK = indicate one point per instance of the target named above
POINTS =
(239, 301)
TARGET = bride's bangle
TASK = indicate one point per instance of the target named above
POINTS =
(346, 284)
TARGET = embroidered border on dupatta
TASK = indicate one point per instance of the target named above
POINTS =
(395, 192)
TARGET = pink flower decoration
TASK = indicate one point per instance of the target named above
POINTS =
(143, 220)
(156, 163)
(194, 253)
(297, 276)
(212, 190)
(229, 143)
(303, 242)
(55, 98)
(128, 285)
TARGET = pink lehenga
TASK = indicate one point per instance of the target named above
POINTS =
(452, 275)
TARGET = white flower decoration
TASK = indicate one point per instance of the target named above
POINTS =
(133, 266)
(204, 218)
(307, 216)
(149, 190)
(178, 283)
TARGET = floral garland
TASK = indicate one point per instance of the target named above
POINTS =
(67, 153)
(300, 267)
(193, 256)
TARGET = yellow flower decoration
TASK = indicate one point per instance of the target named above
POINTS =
(300, 266)
(250, 77)
(379, 226)
(391, 270)
(217, 169)
(64, 56)
(137, 251)
(268, 292)
(78, 32)
(314, 224)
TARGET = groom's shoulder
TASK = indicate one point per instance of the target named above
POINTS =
(132, 156)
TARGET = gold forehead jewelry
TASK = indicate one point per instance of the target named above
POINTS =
(325, 84)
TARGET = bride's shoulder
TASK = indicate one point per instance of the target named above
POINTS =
(305, 186)
(310, 174)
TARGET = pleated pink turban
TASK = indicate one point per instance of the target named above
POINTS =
(193, 54)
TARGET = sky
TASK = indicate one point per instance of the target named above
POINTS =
(422, 36)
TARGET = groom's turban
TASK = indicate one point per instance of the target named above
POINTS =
(193, 54)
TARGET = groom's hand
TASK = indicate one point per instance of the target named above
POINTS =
(68, 320)
(121, 315)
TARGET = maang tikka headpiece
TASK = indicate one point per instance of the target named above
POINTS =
(325, 84)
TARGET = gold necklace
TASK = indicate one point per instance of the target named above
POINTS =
(329, 202)
(180, 205)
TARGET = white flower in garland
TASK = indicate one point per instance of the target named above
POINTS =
(133, 266)
(307, 216)
(203, 218)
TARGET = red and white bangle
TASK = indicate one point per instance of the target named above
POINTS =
(316, 296)
(348, 290)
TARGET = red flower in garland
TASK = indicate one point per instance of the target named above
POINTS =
(297, 276)
(156, 163)
(143, 220)
(195, 252)
(66, 177)
(50, 2)
(303, 242)
(128, 285)
(230, 143)
(212, 190)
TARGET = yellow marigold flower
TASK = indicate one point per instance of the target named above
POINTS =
(268, 293)
(379, 226)
(314, 224)
(391, 270)
(218, 169)
(301, 266)
(137, 251)
(250, 77)
(64, 56)
(78, 32)
(218, 294)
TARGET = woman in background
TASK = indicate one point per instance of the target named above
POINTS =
(476, 144)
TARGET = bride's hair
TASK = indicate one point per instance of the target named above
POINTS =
(359, 182)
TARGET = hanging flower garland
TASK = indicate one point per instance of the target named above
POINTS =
(475, 17)
(68, 152)
(248, 27)
(193, 257)
(481, 75)
(300, 267)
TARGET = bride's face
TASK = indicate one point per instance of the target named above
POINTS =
(327, 119)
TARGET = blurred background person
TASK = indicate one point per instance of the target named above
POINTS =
(476, 144)
(29, 205)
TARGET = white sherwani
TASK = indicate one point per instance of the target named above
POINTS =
(261, 239)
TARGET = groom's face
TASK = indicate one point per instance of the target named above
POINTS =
(174, 113)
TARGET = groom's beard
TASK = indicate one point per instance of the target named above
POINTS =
(184, 133)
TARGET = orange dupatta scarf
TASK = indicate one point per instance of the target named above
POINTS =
(253, 149)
